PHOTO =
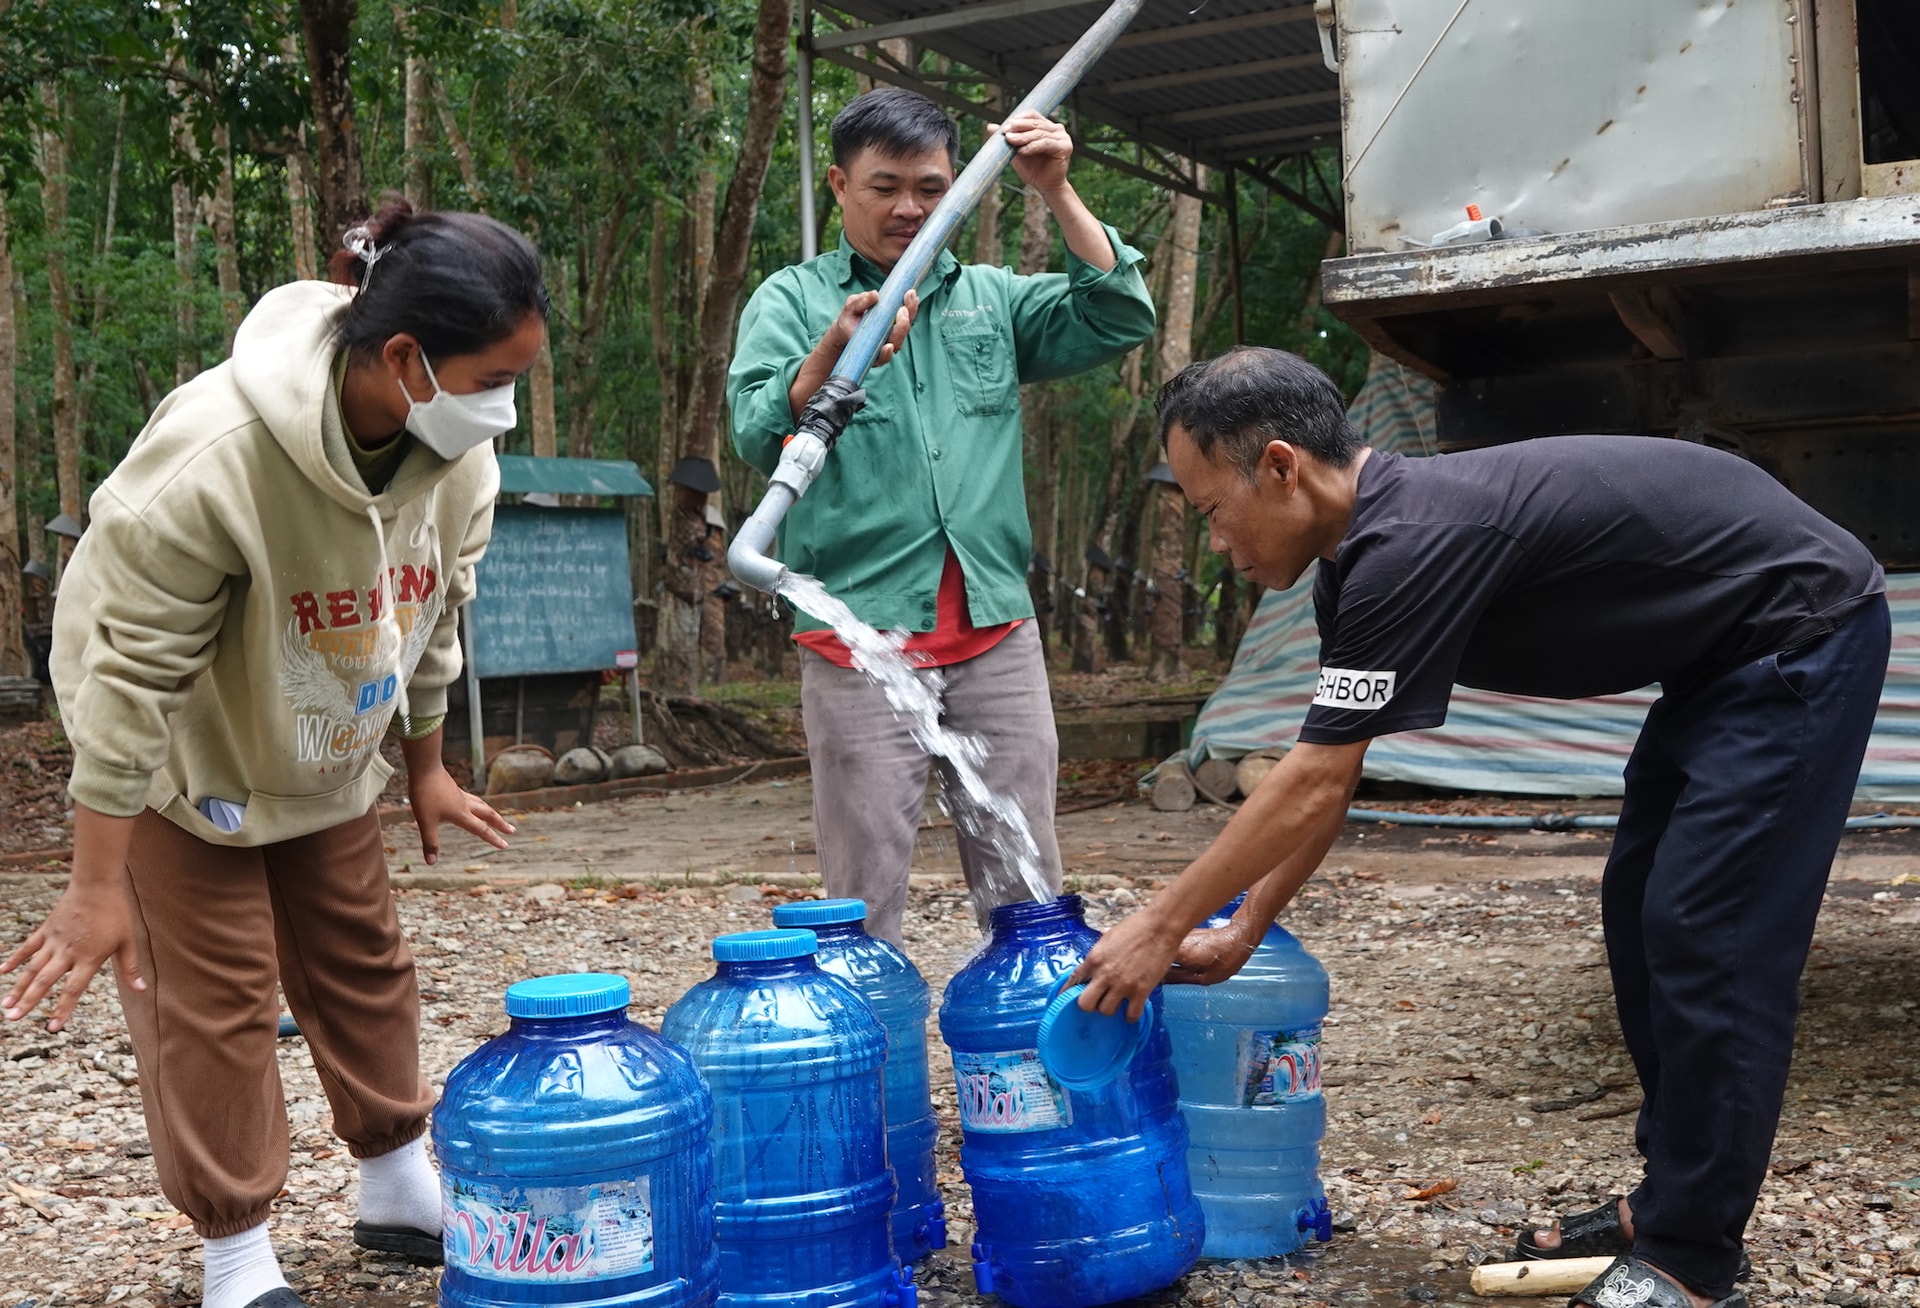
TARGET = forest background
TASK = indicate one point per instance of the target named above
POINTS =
(163, 163)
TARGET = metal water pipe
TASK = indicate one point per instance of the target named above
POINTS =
(840, 396)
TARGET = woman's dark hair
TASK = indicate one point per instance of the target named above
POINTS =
(896, 122)
(1251, 395)
(455, 282)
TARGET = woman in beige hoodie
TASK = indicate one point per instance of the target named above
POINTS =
(268, 587)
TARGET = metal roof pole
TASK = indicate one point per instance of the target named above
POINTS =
(840, 396)
(1233, 252)
(803, 65)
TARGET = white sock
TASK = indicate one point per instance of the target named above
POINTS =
(401, 1189)
(240, 1268)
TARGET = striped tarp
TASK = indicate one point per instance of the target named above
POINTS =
(1504, 743)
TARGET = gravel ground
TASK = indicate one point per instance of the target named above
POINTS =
(1472, 1057)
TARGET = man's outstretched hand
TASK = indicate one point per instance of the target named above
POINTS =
(1126, 963)
(1140, 953)
(1210, 955)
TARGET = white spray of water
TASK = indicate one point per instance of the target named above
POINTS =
(915, 695)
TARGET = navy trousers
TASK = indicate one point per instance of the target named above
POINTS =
(1736, 796)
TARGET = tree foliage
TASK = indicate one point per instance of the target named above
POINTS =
(603, 128)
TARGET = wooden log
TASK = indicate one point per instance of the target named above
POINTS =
(1215, 780)
(1546, 1276)
(1173, 790)
(1253, 769)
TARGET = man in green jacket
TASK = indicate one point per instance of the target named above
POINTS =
(918, 520)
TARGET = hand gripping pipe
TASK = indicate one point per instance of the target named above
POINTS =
(840, 396)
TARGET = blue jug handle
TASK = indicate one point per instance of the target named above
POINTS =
(934, 1229)
(1316, 1218)
(982, 1268)
(903, 1293)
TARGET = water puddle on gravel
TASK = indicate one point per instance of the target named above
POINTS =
(1352, 1272)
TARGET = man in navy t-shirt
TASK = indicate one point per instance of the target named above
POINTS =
(1565, 567)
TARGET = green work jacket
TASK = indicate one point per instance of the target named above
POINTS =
(934, 460)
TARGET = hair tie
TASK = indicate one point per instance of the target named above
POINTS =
(360, 241)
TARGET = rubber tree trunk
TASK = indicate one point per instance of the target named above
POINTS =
(1127, 448)
(327, 28)
(103, 255)
(688, 577)
(986, 216)
(462, 151)
(306, 258)
(713, 616)
(54, 204)
(226, 246)
(608, 254)
(186, 224)
(1041, 427)
(1169, 546)
(1168, 598)
(1089, 650)
(30, 450)
(13, 653)
(543, 419)
(413, 128)
(1226, 614)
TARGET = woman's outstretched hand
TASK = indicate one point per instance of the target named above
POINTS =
(91, 923)
(437, 798)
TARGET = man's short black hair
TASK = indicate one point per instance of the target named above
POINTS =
(896, 122)
(1251, 395)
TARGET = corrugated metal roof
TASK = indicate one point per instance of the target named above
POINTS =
(522, 474)
(1230, 81)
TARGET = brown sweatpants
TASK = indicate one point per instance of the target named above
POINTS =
(215, 927)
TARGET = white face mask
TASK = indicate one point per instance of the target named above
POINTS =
(450, 425)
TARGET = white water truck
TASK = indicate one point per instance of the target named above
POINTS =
(1708, 227)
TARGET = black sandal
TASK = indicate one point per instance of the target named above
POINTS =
(1595, 1234)
(415, 1246)
(1630, 1283)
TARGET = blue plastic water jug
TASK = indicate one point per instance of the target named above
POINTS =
(894, 987)
(574, 1160)
(803, 1193)
(1081, 1196)
(1247, 1052)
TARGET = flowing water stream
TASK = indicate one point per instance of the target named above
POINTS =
(915, 695)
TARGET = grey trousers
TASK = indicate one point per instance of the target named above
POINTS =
(870, 777)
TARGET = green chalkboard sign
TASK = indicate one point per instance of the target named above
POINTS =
(553, 593)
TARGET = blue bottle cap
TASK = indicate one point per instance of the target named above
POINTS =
(1084, 1051)
(763, 946)
(576, 994)
(819, 912)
